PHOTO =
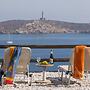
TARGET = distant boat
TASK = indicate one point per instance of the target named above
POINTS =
(9, 41)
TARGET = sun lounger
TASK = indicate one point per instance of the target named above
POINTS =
(16, 61)
(8, 64)
(79, 63)
(22, 65)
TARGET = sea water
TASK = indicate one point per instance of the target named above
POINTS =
(45, 39)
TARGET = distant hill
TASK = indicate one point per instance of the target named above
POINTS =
(43, 26)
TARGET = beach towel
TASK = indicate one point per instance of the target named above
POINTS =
(13, 55)
(87, 59)
(8, 53)
(8, 64)
(19, 49)
(11, 70)
(78, 68)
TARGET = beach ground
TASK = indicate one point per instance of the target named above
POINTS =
(54, 84)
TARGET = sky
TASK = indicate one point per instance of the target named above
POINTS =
(77, 11)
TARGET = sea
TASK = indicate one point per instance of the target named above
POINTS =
(46, 39)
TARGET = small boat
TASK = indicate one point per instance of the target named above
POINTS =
(9, 42)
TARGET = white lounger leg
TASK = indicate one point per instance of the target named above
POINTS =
(28, 73)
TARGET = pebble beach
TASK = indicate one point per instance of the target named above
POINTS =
(54, 84)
